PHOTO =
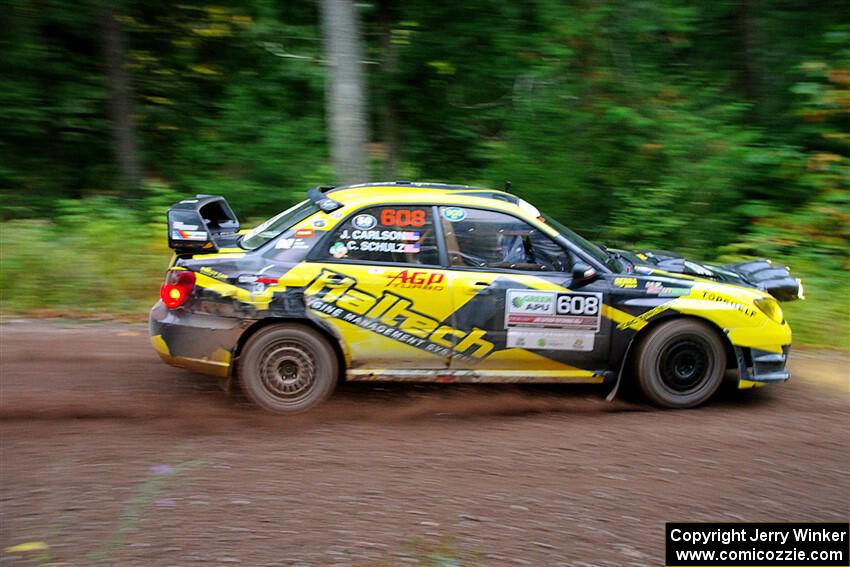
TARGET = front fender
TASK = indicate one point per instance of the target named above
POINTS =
(732, 309)
(759, 345)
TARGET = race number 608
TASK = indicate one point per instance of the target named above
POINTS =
(578, 305)
(402, 217)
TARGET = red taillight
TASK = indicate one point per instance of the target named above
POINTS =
(177, 288)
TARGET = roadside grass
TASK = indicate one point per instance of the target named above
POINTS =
(823, 318)
(111, 268)
(108, 270)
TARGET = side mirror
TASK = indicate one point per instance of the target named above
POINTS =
(583, 272)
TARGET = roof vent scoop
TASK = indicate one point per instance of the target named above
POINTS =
(325, 203)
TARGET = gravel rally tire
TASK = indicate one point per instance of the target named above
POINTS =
(681, 364)
(288, 368)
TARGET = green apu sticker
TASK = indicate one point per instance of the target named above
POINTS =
(454, 214)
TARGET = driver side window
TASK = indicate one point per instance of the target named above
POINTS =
(489, 239)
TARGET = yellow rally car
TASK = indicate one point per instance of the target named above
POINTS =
(450, 283)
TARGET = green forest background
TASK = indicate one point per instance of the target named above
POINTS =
(717, 129)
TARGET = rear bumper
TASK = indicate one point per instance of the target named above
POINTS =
(195, 341)
(758, 367)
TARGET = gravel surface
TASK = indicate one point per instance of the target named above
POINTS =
(111, 457)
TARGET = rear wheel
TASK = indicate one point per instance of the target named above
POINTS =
(681, 364)
(288, 368)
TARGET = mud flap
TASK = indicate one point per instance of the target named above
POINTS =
(616, 388)
(613, 393)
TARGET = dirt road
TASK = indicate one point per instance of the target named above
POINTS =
(111, 457)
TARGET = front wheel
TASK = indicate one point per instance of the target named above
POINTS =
(681, 364)
(288, 368)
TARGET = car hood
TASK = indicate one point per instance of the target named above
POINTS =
(760, 274)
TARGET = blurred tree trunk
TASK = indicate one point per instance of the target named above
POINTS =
(751, 77)
(120, 104)
(389, 110)
(345, 91)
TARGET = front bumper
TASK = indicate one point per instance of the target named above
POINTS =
(196, 341)
(758, 367)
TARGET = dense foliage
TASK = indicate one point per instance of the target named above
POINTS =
(721, 129)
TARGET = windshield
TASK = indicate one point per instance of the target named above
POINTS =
(277, 224)
(587, 246)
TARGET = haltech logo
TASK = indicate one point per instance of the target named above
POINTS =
(409, 279)
(391, 316)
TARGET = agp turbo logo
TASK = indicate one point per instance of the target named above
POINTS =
(410, 279)
(390, 315)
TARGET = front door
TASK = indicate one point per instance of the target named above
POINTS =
(513, 282)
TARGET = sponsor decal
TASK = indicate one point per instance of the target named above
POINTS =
(259, 280)
(336, 295)
(319, 223)
(657, 288)
(674, 291)
(412, 279)
(364, 222)
(550, 339)
(454, 214)
(714, 296)
(653, 288)
(643, 317)
(199, 235)
(532, 303)
(560, 310)
(207, 271)
(183, 226)
(627, 283)
(338, 250)
(403, 217)
(287, 243)
(644, 270)
(304, 233)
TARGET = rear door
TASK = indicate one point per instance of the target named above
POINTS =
(513, 282)
(379, 282)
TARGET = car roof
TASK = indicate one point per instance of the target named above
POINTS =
(408, 191)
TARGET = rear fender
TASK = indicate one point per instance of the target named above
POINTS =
(339, 346)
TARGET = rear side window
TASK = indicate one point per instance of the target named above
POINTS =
(276, 225)
(399, 234)
(293, 245)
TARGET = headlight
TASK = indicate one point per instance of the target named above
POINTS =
(770, 307)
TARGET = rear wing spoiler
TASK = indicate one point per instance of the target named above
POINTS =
(201, 224)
